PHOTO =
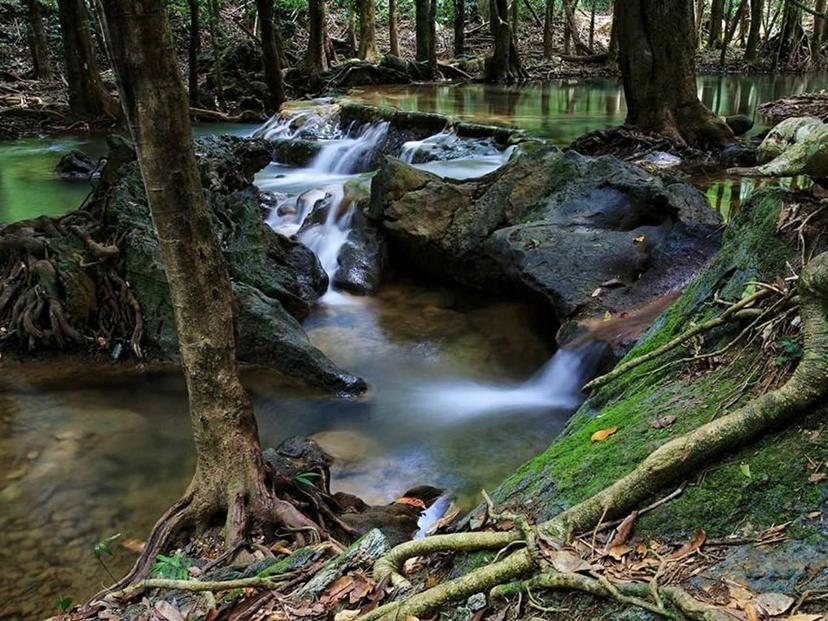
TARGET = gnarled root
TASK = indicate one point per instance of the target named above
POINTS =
(805, 388)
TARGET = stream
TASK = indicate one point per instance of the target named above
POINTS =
(464, 388)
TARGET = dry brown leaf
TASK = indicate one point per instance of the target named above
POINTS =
(411, 502)
(624, 531)
(755, 612)
(739, 595)
(803, 617)
(134, 545)
(775, 603)
(696, 541)
(816, 477)
(566, 562)
(603, 434)
(338, 589)
(813, 515)
(362, 587)
(619, 552)
(167, 611)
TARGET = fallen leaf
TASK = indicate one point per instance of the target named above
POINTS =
(803, 617)
(607, 316)
(755, 612)
(168, 611)
(338, 589)
(603, 434)
(619, 552)
(411, 502)
(775, 603)
(816, 477)
(696, 541)
(567, 562)
(813, 515)
(664, 421)
(346, 615)
(133, 545)
(622, 535)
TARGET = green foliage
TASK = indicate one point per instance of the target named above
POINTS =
(63, 603)
(306, 478)
(171, 567)
(792, 352)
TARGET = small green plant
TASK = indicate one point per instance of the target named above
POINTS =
(791, 352)
(174, 567)
(64, 603)
(229, 597)
(101, 549)
(306, 478)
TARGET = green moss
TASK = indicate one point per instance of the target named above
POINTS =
(724, 497)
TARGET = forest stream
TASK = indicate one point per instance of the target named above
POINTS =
(462, 389)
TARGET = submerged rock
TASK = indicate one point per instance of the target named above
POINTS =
(587, 235)
(75, 165)
(740, 124)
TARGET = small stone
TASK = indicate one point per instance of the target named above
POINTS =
(476, 602)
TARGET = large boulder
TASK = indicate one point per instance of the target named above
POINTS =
(588, 235)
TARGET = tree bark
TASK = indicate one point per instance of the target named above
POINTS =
(657, 63)
(214, 41)
(592, 27)
(230, 473)
(316, 58)
(422, 10)
(368, 31)
(38, 43)
(716, 16)
(87, 96)
(819, 29)
(432, 36)
(270, 55)
(752, 45)
(699, 17)
(504, 64)
(393, 38)
(549, 30)
(459, 27)
(193, 52)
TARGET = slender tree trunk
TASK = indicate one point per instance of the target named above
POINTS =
(657, 64)
(733, 24)
(87, 96)
(514, 18)
(230, 473)
(37, 40)
(819, 30)
(393, 38)
(432, 36)
(368, 31)
(422, 10)
(567, 28)
(752, 45)
(193, 52)
(699, 15)
(270, 55)
(592, 27)
(316, 58)
(351, 32)
(549, 30)
(716, 15)
(504, 64)
(459, 27)
(214, 41)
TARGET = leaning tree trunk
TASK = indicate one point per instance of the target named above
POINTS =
(368, 31)
(422, 10)
(316, 58)
(41, 63)
(657, 63)
(270, 55)
(87, 96)
(716, 16)
(193, 52)
(754, 31)
(459, 27)
(230, 475)
(393, 38)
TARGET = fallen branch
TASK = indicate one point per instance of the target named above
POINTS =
(198, 585)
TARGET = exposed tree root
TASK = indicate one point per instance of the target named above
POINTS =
(806, 387)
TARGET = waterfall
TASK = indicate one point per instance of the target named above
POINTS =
(351, 154)
(444, 139)
(557, 385)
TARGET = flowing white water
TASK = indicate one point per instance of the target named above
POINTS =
(443, 140)
(555, 386)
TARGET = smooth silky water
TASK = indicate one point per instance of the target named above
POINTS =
(462, 386)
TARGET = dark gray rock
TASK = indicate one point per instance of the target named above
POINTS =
(362, 259)
(738, 155)
(739, 123)
(75, 165)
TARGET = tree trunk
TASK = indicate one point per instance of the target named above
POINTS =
(753, 33)
(87, 96)
(368, 31)
(592, 27)
(716, 15)
(230, 474)
(351, 32)
(504, 64)
(549, 30)
(422, 10)
(514, 18)
(193, 52)
(567, 29)
(393, 38)
(432, 36)
(270, 55)
(656, 59)
(39, 44)
(459, 27)
(214, 41)
(316, 59)
(733, 24)
(816, 36)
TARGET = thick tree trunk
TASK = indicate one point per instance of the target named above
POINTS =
(193, 52)
(316, 59)
(549, 30)
(459, 27)
(270, 55)
(819, 29)
(657, 64)
(504, 64)
(87, 96)
(230, 473)
(368, 31)
(393, 37)
(716, 16)
(39, 44)
(752, 45)
(422, 10)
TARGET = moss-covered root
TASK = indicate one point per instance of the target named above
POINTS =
(632, 594)
(807, 385)
(390, 565)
